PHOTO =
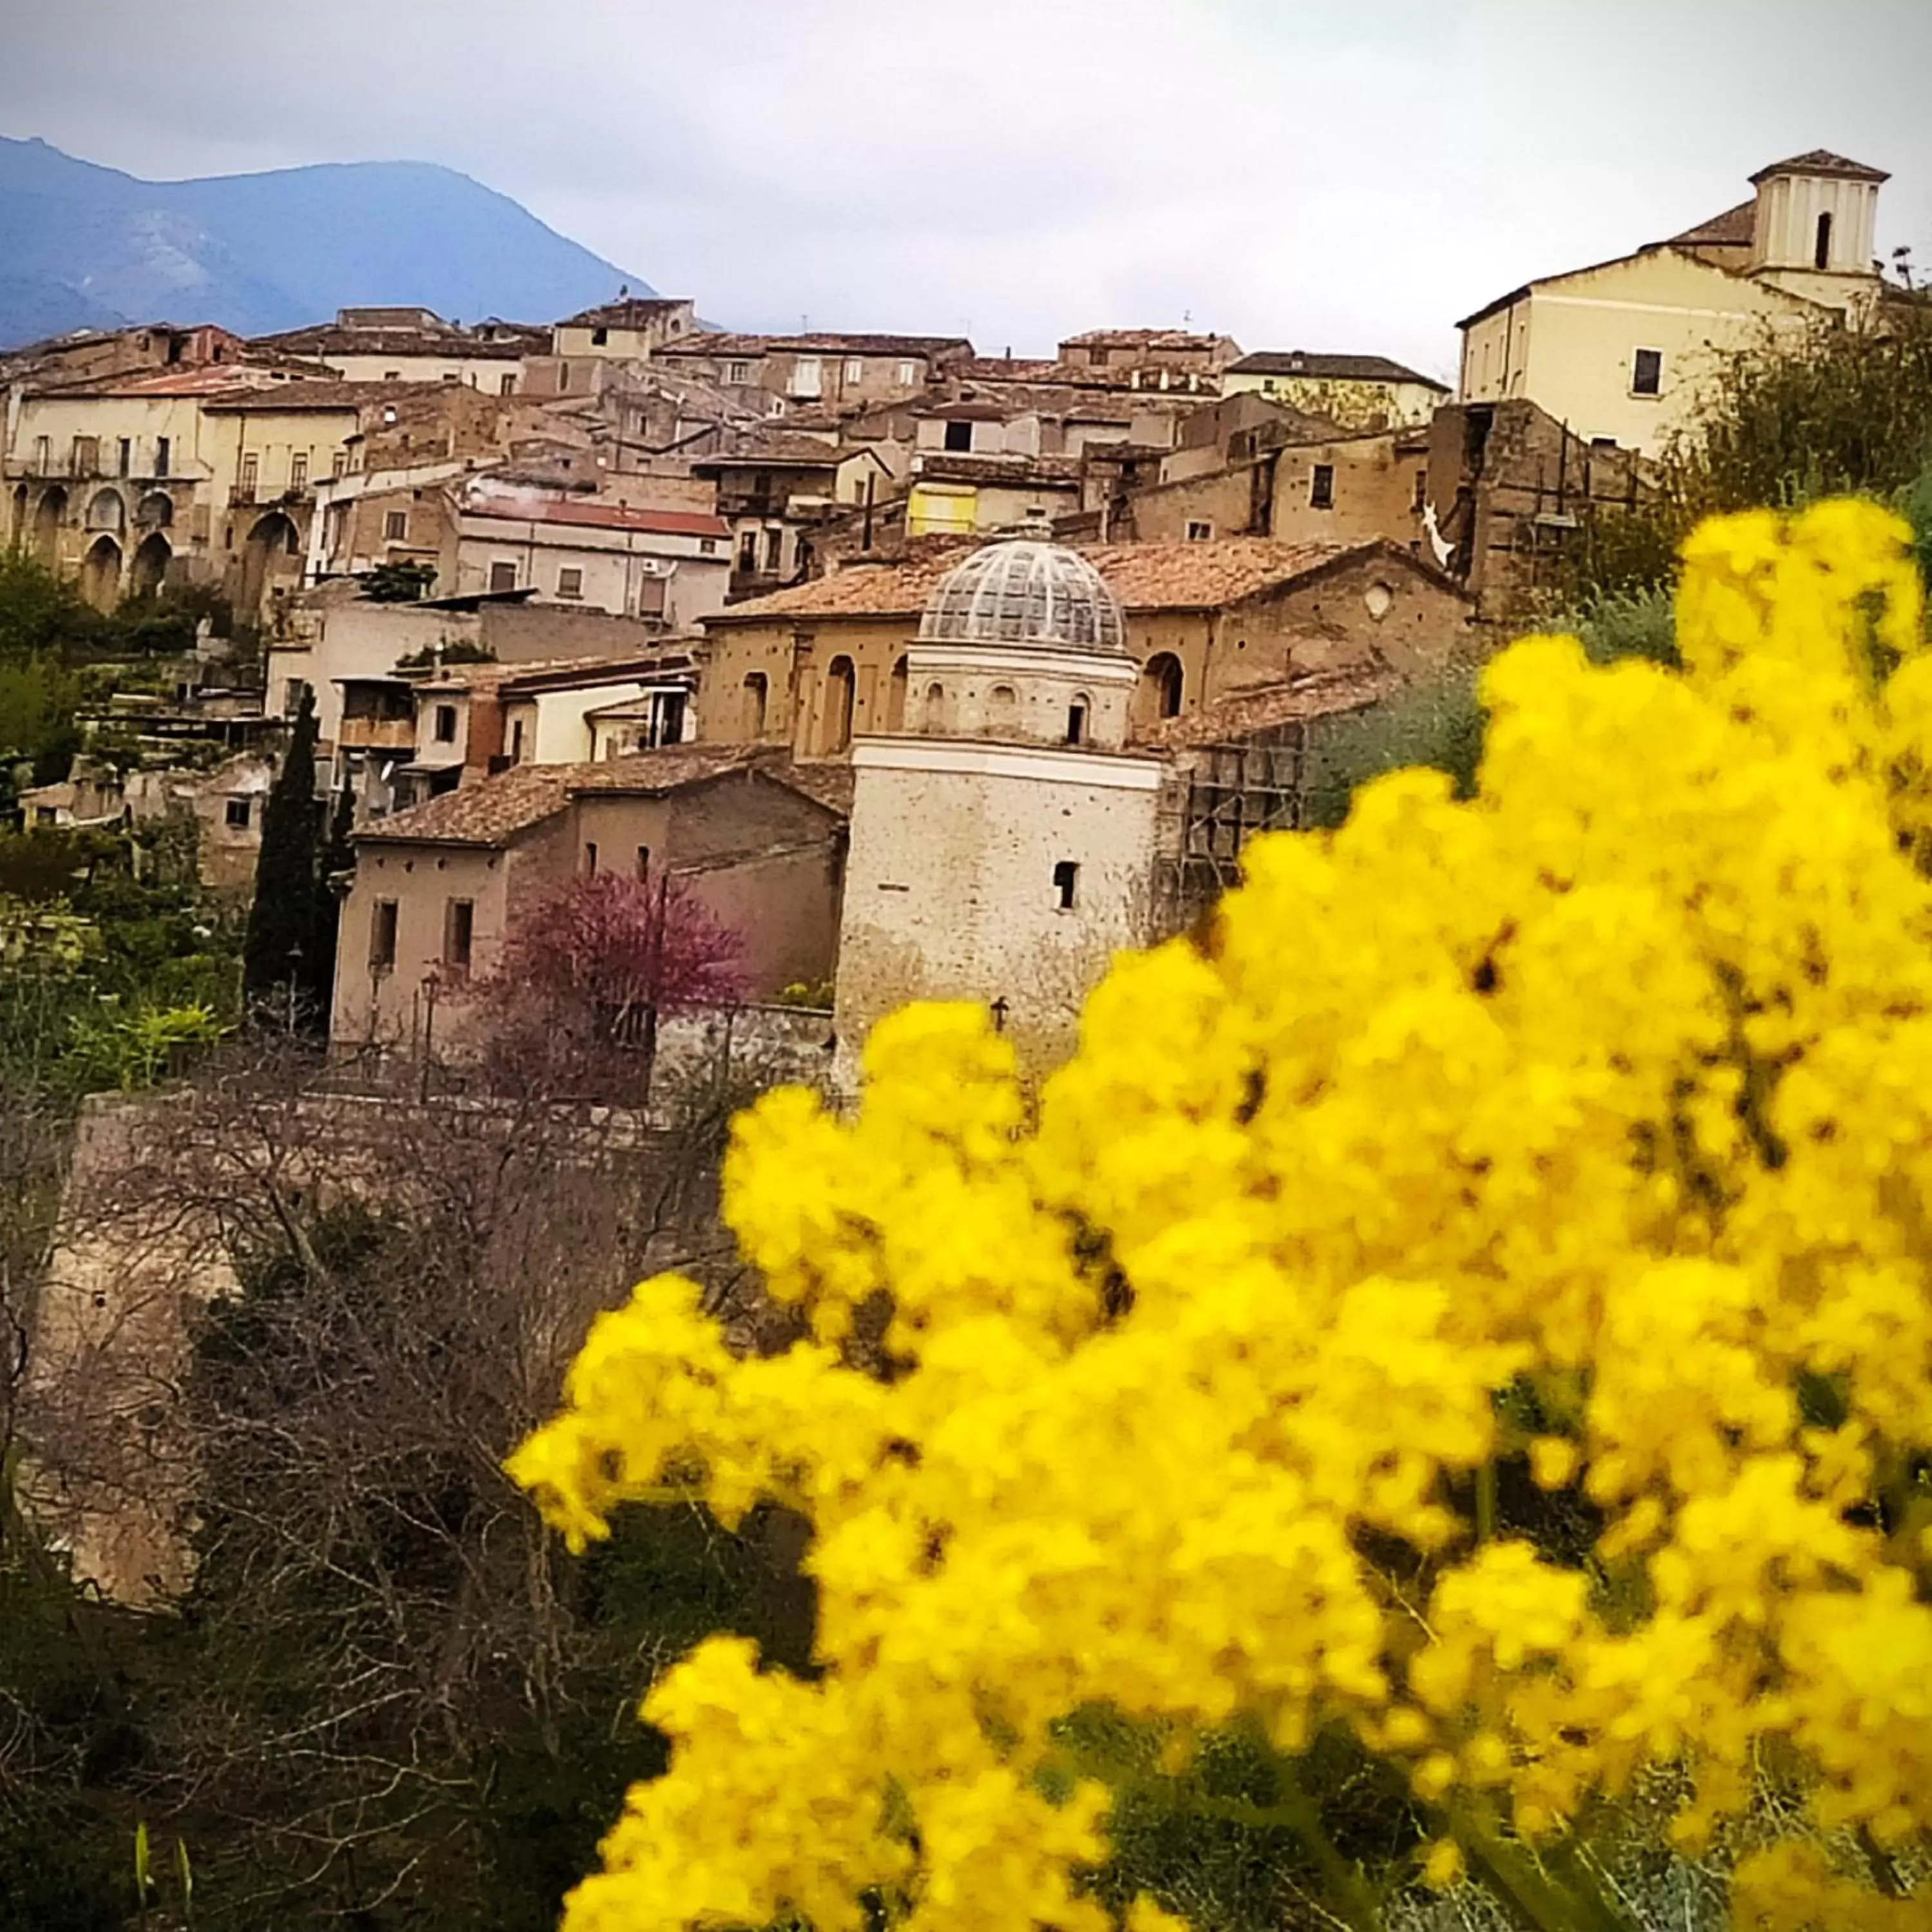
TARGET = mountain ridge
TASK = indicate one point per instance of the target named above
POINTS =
(86, 246)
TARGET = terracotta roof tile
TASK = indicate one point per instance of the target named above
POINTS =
(1243, 714)
(1821, 161)
(1736, 226)
(1144, 576)
(1337, 368)
(495, 810)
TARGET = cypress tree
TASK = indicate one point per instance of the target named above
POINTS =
(278, 951)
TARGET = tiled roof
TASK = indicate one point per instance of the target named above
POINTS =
(1735, 227)
(633, 312)
(326, 338)
(1245, 713)
(1821, 161)
(495, 810)
(593, 514)
(1143, 576)
(321, 395)
(1141, 338)
(1335, 368)
(246, 382)
(722, 343)
(777, 449)
(964, 466)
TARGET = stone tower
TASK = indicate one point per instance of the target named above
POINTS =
(1002, 843)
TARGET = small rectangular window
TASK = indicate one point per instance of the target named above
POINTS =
(43, 460)
(517, 742)
(707, 546)
(854, 369)
(161, 456)
(298, 470)
(643, 862)
(506, 385)
(737, 372)
(599, 336)
(570, 582)
(1066, 880)
(382, 936)
(908, 374)
(392, 375)
(1198, 533)
(444, 724)
(459, 928)
(1076, 723)
(1321, 486)
(959, 436)
(502, 577)
(451, 376)
(395, 525)
(774, 549)
(1647, 372)
(127, 455)
(1419, 501)
(590, 859)
(236, 813)
(338, 464)
(251, 474)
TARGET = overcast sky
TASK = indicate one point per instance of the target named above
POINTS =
(1323, 176)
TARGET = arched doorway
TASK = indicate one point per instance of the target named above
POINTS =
(107, 512)
(841, 683)
(895, 697)
(50, 513)
(271, 556)
(1161, 687)
(16, 530)
(155, 510)
(100, 573)
(149, 570)
(757, 687)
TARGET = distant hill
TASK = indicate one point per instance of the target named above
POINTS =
(83, 247)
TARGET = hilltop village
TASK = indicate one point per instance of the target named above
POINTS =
(933, 672)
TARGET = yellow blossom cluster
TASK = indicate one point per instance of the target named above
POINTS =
(1577, 1138)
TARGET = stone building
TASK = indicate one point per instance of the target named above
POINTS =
(840, 373)
(812, 667)
(1355, 392)
(1510, 491)
(436, 887)
(1620, 353)
(1002, 833)
(413, 345)
(1154, 359)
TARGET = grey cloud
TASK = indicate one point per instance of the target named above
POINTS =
(1296, 174)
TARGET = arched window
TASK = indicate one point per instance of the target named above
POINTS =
(895, 698)
(758, 689)
(1003, 711)
(935, 714)
(1162, 684)
(107, 511)
(1821, 250)
(1078, 714)
(840, 683)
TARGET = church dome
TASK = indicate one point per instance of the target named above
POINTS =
(1025, 593)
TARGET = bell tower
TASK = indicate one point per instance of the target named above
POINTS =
(1815, 217)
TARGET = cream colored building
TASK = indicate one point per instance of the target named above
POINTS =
(1355, 392)
(629, 329)
(1003, 838)
(413, 345)
(1623, 353)
(187, 475)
